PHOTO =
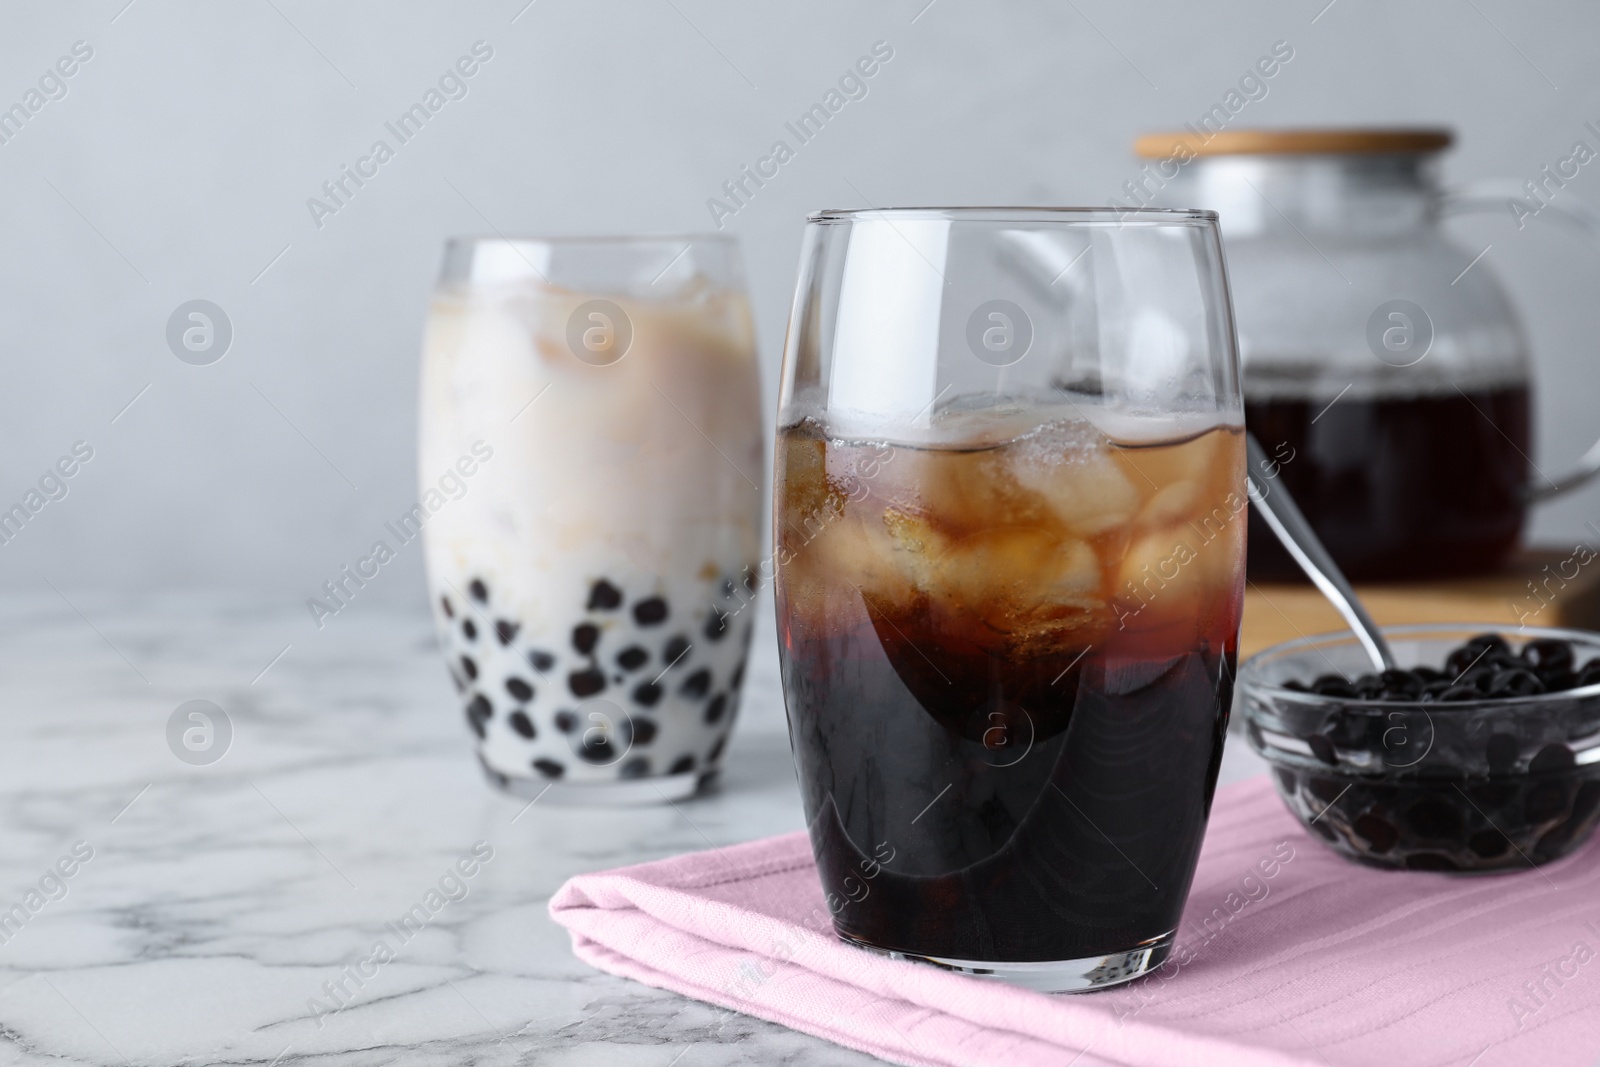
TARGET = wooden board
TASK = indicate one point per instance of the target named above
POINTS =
(1539, 589)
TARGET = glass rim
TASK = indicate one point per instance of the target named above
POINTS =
(1250, 670)
(1021, 213)
(467, 240)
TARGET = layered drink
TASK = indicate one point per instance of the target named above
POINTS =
(1008, 646)
(591, 582)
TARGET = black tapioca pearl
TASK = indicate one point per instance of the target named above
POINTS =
(444, 605)
(585, 636)
(642, 731)
(1545, 801)
(647, 694)
(1491, 795)
(476, 724)
(1377, 832)
(1286, 779)
(522, 724)
(650, 612)
(603, 596)
(1488, 843)
(1548, 655)
(718, 705)
(1552, 757)
(1587, 802)
(1322, 748)
(469, 668)
(716, 749)
(1514, 682)
(738, 676)
(1589, 675)
(1433, 818)
(587, 682)
(676, 648)
(697, 684)
(1430, 861)
(506, 630)
(749, 580)
(638, 767)
(566, 721)
(632, 658)
(540, 661)
(716, 624)
(456, 680)
(727, 588)
(549, 768)
(595, 747)
(469, 629)
(519, 689)
(479, 706)
(479, 591)
(1501, 752)
(681, 765)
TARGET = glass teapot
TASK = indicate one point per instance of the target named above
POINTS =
(1386, 372)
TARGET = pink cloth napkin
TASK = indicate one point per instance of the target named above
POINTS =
(1287, 955)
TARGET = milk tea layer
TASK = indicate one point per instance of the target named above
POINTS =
(596, 562)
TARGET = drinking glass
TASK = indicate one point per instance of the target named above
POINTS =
(1009, 523)
(589, 447)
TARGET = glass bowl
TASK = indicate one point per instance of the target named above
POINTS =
(1488, 784)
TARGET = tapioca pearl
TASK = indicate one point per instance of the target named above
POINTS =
(738, 676)
(1286, 780)
(522, 724)
(566, 721)
(697, 684)
(1545, 801)
(476, 724)
(750, 579)
(519, 689)
(676, 648)
(1489, 843)
(1376, 832)
(1552, 757)
(540, 661)
(1501, 753)
(681, 765)
(632, 658)
(506, 630)
(647, 694)
(638, 767)
(469, 630)
(1433, 818)
(549, 768)
(469, 668)
(444, 605)
(456, 680)
(718, 705)
(650, 612)
(603, 596)
(594, 746)
(479, 706)
(716, 624)
(642, 731)
(1323, 749)
(584, 637)
(479, 591)
(716, 749)
(586, 683)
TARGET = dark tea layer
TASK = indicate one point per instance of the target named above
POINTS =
(1398, 488)
(1008, 669)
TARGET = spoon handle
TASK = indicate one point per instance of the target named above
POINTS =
(1283, 515)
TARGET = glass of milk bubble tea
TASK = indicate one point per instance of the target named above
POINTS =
(596, 401)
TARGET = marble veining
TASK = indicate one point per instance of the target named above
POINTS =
(222, 904)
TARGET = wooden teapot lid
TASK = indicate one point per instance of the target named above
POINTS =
(1303, 142)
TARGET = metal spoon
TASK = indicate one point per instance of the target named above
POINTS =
(1301, 541)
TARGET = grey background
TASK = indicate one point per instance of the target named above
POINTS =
(179, 164)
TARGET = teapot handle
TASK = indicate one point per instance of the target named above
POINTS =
(1500, 195)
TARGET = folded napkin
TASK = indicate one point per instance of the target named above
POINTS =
(1286, 955)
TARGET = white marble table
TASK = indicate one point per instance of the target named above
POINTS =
(220, 899)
